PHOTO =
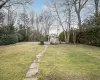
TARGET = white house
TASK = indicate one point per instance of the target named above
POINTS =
(53, 39)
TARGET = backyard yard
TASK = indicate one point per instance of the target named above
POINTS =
(70, 62)
(49, 39)
(59, 62)
(15, 59)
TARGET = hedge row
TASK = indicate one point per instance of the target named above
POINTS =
(91, 36)
(7, 39)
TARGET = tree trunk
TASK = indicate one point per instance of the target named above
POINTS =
(69, 24)
(96, 11)
(68, 36)
(60, 22)
(79, 21)
(66, 41)
(74, 36)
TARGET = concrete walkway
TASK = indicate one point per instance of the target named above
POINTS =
(33, 69)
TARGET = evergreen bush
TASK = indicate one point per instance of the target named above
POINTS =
(8, 39)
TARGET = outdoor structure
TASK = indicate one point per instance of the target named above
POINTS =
(53, 39)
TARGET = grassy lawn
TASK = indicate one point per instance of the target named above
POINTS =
(70, 62)
(15, 59)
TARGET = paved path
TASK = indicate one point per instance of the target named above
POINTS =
(33, 69)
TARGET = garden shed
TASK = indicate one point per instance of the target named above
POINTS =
(53, 39)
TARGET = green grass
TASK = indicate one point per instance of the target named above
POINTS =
(70, 62)
(15, 60)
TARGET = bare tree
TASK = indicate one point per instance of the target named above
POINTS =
(97, 11)
(12, 15)
(68, 14)
(37, 28)
(4, 3)
(24, 19)
(32, 19)
(2, 17)
(12, 18)
(59, 19)
(37, 22)
(47, 20)
(79, 5)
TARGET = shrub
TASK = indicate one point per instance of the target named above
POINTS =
(8, 39)
(20, 37)
(91, 36)
(1, 43)
(52, 43)
(62, 36)
(41, 42)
